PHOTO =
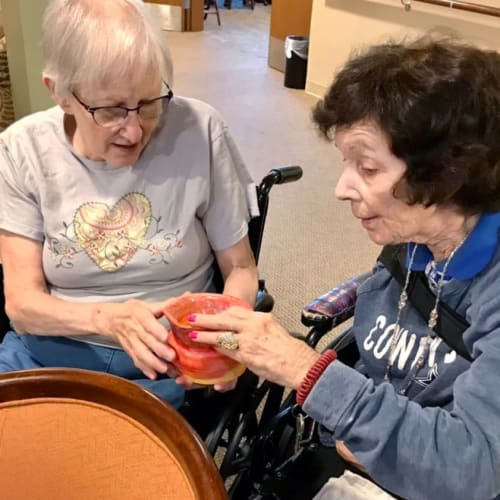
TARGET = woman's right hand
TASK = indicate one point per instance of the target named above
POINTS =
(264, 346)
(134, 324)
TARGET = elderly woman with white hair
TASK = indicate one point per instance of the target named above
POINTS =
(114, 201)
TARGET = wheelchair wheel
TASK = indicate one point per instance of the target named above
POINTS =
(239, 446)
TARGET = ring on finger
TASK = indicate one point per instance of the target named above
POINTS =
(228, 340)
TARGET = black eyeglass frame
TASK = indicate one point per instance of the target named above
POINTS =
(92, 109)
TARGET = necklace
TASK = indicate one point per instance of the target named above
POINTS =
(425, 342)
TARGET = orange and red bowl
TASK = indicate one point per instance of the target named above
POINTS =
(200, 363)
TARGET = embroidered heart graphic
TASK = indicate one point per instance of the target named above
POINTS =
(110, 237)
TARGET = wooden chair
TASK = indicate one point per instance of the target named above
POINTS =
(81, 435)
(209, 3)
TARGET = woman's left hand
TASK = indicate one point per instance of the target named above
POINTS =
(265, 347)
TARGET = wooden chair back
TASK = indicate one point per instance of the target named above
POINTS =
(80, 434)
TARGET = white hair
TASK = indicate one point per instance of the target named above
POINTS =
(93, 43)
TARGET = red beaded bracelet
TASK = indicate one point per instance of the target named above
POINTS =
(313, 375)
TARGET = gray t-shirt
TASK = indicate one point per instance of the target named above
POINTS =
(110, 234)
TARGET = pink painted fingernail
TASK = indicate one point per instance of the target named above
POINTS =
(191, 318)
(192, 335)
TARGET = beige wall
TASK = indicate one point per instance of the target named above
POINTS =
(339, 26)
(23, 19)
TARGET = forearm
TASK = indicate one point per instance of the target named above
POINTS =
(39, 313)
(243, 282)
(412, 451)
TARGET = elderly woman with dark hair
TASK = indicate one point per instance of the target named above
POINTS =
(418, 125)
(120, 197)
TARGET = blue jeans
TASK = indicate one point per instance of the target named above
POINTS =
(22, 352)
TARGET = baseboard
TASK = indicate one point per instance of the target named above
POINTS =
(315, 89)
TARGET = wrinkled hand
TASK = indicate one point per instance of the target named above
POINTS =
(265, 347)
(134, 324)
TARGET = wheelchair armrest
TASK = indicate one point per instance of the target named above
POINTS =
(335, 306)
(265, 301)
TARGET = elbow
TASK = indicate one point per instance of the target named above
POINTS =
(16, 313)
(243, 282)
(248, 274)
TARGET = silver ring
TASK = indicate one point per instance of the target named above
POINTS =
(228, 340)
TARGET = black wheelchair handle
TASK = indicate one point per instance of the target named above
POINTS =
(287, 174)
(279, 175)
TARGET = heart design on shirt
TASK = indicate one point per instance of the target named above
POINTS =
(111, 236)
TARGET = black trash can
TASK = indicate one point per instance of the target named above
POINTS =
(296, 50)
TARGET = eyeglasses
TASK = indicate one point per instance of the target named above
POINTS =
(115, 116)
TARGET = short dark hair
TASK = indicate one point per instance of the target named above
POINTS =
(438, 102)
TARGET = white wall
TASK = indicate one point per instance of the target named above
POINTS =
(339, 26)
